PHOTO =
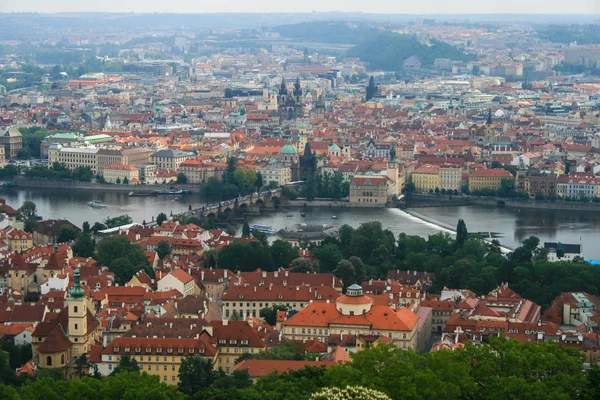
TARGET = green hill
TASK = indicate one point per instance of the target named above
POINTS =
(388, 51)
(381, 49)
(326, 32)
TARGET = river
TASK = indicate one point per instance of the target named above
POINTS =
(513, 224)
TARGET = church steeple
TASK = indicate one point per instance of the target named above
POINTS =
(76, 292)
(489, 118)
(297, 87)
(393, 154)
(283, 88)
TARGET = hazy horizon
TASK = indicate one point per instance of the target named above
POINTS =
(426, 7)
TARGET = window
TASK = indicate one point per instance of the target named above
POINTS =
(48, 361)
(75, 309)
(173, 368)
(158, 367)
(76, 326)
(165, 378)
(62, 359)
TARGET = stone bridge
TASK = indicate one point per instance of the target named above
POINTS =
(252, 203)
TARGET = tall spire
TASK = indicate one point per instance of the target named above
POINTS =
(297, 87)
(77, 291)
(393, 154)
(283, 88)
(489, 119)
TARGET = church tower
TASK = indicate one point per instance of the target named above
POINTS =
(78, 328)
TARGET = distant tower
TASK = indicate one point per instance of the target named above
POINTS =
(308, 163)
(320, 108)
(289, 106)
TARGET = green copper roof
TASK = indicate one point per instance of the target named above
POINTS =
(77, 291)
(289, 149)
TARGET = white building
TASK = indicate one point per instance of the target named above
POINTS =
(178, 280)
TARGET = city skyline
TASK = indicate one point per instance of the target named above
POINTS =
(271, 6)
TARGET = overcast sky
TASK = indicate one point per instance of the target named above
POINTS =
(381, 6)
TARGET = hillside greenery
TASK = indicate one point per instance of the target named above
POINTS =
(582, 34)
(500, 369)
(388, 51)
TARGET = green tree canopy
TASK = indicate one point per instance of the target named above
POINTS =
(122, 257)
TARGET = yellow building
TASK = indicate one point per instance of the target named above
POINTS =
(491, 179)
(368, 191)
(114, 172)
(156, 356)
(57, 343)
(234, 339)
(19, 241)
(426, 178)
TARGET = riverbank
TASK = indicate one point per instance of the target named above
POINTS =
(40, 183)
(420, 200)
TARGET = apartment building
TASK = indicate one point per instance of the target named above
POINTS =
(198, 172)
(276, 172)
(426, 178)
(170, 159)
(114, 173)
(450, 177)
(156, 356)
(490, 179)
(248, 300)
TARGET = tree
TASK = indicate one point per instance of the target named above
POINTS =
(182, 178)
(461, 234)
(246, 229)
(195, 374)
(269, 314)
(122, 257)
(345, 271)
(282, 253)
(371, 89)
(259, 181)
(349, 393)
(118, 181)
(160, 218)
(329, 256)
(86, 227)
(359, 269)
(245, 179)
(126, 364)
(303, 265)
(66, 234)
(27, 211)
(231, 167)
(125, 181)
(163, 248)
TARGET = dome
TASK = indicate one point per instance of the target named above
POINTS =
(289, 149)
(334, 147)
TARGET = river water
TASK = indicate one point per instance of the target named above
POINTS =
(512, 224)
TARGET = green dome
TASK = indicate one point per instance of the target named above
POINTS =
(334, 147)
(289, 149)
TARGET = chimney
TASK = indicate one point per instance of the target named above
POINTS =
(225, 322)
(276, 274)
(202, 275)
(225, 273)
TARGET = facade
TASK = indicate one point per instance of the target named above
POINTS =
(426, 178)
(368, 191)
(248, 300)
(157, 356)
(450, 177)
(276, 172)
(178, 280)
(540, 183)
(12, 141)
(353, 314)
(576, 186)
(488, 179)
(199, 172)
(120, 172)
(19, 241)
(73, 157)
(170, 159)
